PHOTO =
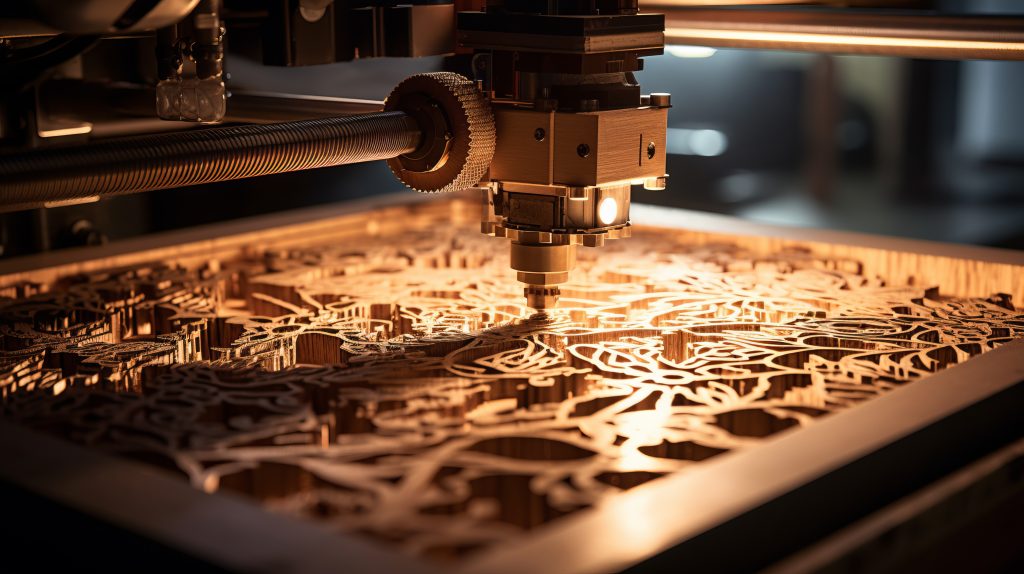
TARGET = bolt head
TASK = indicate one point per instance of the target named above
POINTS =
(542, 279)
(661, 100)
(656, 183)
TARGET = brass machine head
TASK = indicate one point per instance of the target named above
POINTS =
(556, 103)
(590, 167)
(545, 230)
(573, 132)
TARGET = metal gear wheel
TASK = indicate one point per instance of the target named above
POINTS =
(457, 128)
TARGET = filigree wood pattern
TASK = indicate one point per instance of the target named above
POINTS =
(398, 387)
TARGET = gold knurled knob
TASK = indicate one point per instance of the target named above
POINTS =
(457, 127)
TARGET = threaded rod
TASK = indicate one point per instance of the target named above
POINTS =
(127, 165)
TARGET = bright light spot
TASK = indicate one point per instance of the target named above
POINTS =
(708, 143)
(608, 210)
(859, 40)
(690, 51)
(704, 142)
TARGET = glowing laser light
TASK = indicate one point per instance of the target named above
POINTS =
(680, 51)
(766, 38)
(607, 210)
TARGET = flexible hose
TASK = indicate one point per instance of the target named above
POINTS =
(144, 163)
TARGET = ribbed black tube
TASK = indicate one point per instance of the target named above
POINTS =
(162, 161)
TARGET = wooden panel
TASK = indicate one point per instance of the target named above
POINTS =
(443, 417)
(966, 270)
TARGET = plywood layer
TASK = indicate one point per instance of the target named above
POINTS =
(379, 372)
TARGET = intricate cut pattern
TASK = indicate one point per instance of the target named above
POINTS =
(399, 388)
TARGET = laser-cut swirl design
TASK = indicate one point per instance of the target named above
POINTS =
(399, 388)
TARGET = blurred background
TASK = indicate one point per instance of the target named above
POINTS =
(926, 149)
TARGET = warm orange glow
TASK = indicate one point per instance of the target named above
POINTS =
(694, 35)
(73, 201)
(654, 5)
(68, 131)
(607, 210)
(389, 380)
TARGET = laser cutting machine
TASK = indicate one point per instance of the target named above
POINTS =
(552, 125)
(538, 111)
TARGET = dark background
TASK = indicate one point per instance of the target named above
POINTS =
(914, 148)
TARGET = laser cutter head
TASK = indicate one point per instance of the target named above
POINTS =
(546, 229)
(573, 131)
(560, 180)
